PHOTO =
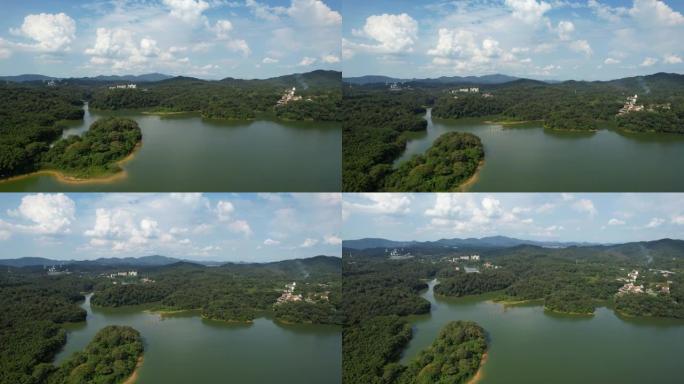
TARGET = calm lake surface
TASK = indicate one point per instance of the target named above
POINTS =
(527, 345)
(186, 153)
(186, 349)
(528, 158)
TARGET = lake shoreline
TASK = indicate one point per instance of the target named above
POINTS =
(63, 178)
(134, 376)
(479, 375)
(472, 180)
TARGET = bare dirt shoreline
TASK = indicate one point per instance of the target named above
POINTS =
(463, 187)
(134, 376)
(479, 374)
(66, 179)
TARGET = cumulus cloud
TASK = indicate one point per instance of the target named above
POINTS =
(306, 61)
(585, 206)
(649, 61)
(391, 34)
(332, 240)
(313, 12)
(241, 227)
(330, 59)
(271, 242)
(46, 214)
(308, 243)
(119, 49)
(655, 12)
(679, 220)
(581, 46)
(672, 59)
(51, 32)
(528, 11)
(565, 29)
(655, 222)
(615, 221)
(189, 11)
(269, 60)
(610, 61)
(380, 203)
(225, 210)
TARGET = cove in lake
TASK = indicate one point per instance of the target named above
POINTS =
(527, 345)
(184, 348)
(186, 153)
(529, 158)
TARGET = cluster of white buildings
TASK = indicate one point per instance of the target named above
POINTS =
(396, 254)
(288, 96)
(466, 90)
(631, 106)
(123, 274)
(124, 86)
(456, 259)
(288, 294)
(630, 285)
(54, 271)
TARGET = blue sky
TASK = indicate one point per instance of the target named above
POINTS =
(542, 39)
(598, 217)
(222, 227)
(204, 38)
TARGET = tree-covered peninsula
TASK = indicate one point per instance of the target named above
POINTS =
(375, 130)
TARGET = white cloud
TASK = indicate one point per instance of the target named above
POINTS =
(190, 11)
(655, 12)
(330, 59)
(306, 61)
(308, 242)
(239, 45)
(655, 222)
(269, 60)
(225, 210)
(528, 11)
(51, 32)
(610, 61)
(679, 220)
(241, 227)
(606, 12)
(649, 61)
(380, 203)
(222, 28)
(391, 34)
(565, 29)
(313, 12)
(49, 214)
(332, 240)
(671, 59)
(585, 206)
(271, 242)
(5, 234)
(263, 11)
(615, 221)
(581, 46)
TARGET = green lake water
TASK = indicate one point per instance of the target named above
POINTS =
(528, 158)
(186, 349)
(527, 345)
(186, 153)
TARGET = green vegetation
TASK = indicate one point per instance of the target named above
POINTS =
(31, 311)
(109, 358)
(451, 160)
(462, 284)
(30, 120)
(652, 305)
(573, 105)
(96, 152)
(235, 292)
(231, 98)
(454, 357)
(375, 132)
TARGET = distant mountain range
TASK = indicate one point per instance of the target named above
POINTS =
(149, 77)
(316, 79)
(160, 261)
(484, 242)
(145, 261)
(486, 79)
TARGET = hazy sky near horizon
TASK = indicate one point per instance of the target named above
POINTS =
(223, 227)
(202, 38)
(591, 217)
(542, 39)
